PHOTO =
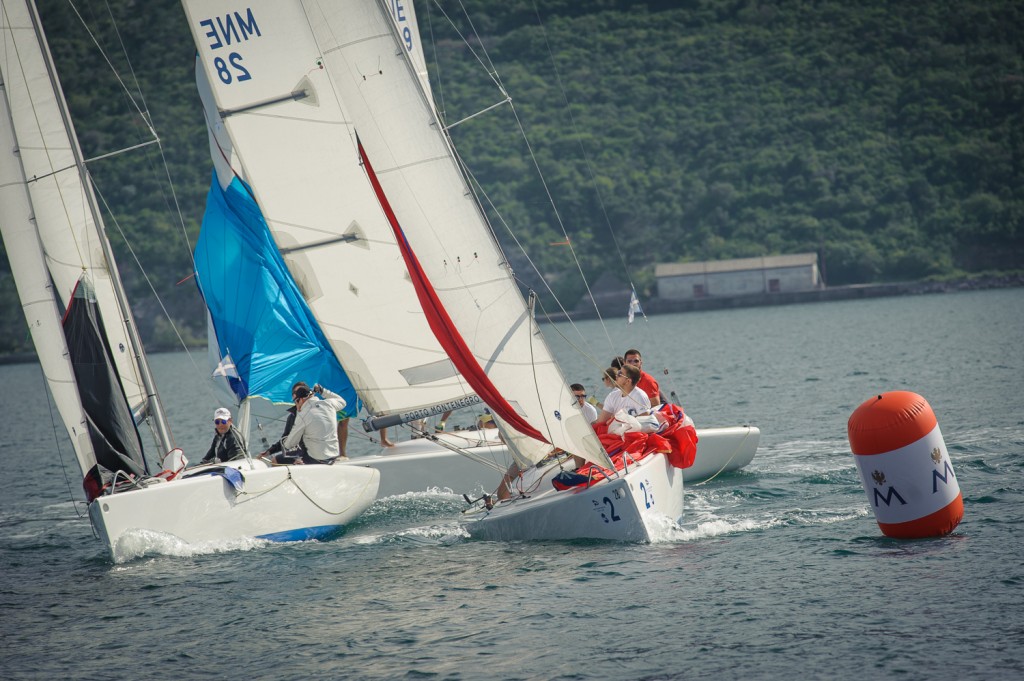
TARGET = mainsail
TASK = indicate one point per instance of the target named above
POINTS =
(94, 365)
(276, 124)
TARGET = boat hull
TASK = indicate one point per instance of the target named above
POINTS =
(627, 508)
(279, 503)
(722, 450)
(421, 464)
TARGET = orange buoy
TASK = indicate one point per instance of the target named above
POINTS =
(904, 466)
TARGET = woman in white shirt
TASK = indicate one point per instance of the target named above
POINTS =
(625, 396)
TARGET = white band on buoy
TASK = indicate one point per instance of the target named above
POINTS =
(910, 482)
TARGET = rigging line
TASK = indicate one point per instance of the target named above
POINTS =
(593, 181)
(472, 456)
(590, 170)
(522, 249)
(507, 100)
(117, 75)
(60, 453)
(488, 65)
(727, 461)
(145, 275)
(118, 152)
(561, 224)
(87, 161)
(142, 111)
(586, 354)
(437, 65)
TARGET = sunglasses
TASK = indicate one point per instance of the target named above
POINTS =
(580, 395)
(620, 375)
(220, 422)
(632, 361)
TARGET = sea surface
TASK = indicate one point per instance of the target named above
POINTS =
(778, 571)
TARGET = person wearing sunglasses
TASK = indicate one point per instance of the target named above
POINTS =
(228, 443)
(646, 382)
(276, 453)
(625, 396)
(580, 393)
(316, 419)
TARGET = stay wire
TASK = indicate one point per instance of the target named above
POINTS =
(143, 113)
(595, 185)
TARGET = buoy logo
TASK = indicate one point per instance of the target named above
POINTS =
(879, 478)
(936, 456)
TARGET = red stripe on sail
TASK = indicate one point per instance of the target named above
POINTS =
(441, 324)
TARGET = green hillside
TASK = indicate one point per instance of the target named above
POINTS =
(888, 137)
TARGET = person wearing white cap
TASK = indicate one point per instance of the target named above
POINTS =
(228, 443)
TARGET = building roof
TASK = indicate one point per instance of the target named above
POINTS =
(676, 269)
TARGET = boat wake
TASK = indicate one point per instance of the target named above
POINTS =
(437, 535)
(137, 544)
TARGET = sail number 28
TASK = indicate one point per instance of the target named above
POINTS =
(234, 72)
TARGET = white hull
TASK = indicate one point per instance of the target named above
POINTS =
(421, 464)
(722, 450)
(626, 508)
(280, 503)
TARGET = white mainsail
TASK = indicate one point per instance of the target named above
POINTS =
(277, 124)
(50, 224)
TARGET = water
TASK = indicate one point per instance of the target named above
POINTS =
(778, 571)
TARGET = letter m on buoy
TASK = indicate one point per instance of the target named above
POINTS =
(944, 477)
(888, 496)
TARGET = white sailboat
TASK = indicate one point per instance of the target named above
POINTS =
(91, 355)
(320, 114)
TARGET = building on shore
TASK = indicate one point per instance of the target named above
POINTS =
(744, 276)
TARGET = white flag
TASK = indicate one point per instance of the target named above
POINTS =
(226, 367)
(634, 306)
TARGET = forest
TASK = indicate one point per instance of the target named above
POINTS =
(887, 137)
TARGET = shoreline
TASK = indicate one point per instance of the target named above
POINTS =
(613, 306)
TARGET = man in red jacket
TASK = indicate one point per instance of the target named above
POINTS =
(646, 382)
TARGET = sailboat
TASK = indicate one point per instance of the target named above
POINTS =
(93, 360)
(320, 117)
(290, 191)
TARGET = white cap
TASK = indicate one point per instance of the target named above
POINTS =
(222, 413)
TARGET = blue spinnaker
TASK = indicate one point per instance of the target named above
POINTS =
(258, 312)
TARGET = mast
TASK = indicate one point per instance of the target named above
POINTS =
(153, 404)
